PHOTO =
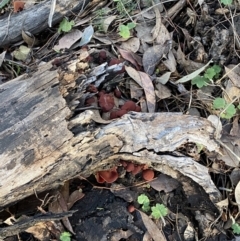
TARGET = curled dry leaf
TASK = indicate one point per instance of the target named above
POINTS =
(107, 22)
(68, 40)
(131, 57)
(146, 83)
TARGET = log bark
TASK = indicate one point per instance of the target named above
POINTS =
(38, 150)
(35, 19)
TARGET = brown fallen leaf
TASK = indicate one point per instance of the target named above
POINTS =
(152, 57)
(146, 83)
(164, 183)
(131, 44)
(152, 228)
(131, 57)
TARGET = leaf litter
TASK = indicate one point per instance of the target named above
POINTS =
(154, 68)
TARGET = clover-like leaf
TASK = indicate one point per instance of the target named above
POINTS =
(159, 211)
(236, 228)
(219, 103)
(210, 73)
(200, 81)
(131, 25)
(226, 2)
(124, 31)
(229, 112)
(143, 199)
(65, 236)
(65, 25)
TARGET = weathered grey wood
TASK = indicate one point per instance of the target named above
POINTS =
(35, 19)
(38, 152)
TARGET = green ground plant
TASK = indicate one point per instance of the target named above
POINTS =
(125, 29)
(228, 110)
(210, 74)
(65, 236)
(226, 2)
(236, 228)
(157, 211)
(65, 26)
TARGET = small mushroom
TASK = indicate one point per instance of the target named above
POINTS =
(106, 102)
(129, 106)
(148, 174)
(109, 176)
(117, 114)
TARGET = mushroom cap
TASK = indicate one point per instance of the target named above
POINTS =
(148, 174)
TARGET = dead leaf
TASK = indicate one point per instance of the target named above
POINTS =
(40, 231)
(163, 35)
(146, 83)
(152, 57)
(233, 74)
(107, 22)
(120, 235)
(237, 195)
(232, 143)
(29, 38)
(164, 183)
(157, 27)
(131, 57)
(68, 40)
(215, 120)
(170, 62)
(189, 65)
(131, 44)
(144, 32)
(162, 91)
(152, 227)
(135, 90)
(164, 78)
(235, 176)
(189, 233)
(231, 91)
(74, 197)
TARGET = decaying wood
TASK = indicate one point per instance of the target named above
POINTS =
(39, 152)
(35, 19)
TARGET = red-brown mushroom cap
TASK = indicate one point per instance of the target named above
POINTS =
(106, 102)
(130, 167)
(131, 208)
(108, 176)
(148, 174)
(137, 169)
(129, 106)
(117, 114)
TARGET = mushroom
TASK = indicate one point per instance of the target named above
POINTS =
(148, 174)
(108, 176)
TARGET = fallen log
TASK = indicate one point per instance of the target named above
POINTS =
(39, 151)
(35, 19)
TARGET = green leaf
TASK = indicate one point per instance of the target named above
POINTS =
(200, 81)
(145, 207)
(3, 3)
(159, 211)
(226, 2)
(210, 73)
(65, 236)
(65, 25)
(216, 68)
(219, 103)
(124, 31)
(131, 25)
(236, 228)
(229, 112)
(143, 199)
